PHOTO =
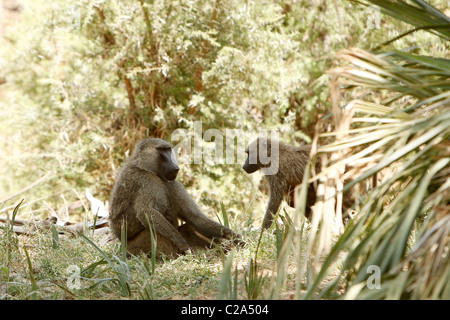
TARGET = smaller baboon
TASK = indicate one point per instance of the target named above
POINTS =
(283, 177)
(146, 192)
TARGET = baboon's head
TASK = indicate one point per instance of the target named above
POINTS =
(156, 155)
(260, 155)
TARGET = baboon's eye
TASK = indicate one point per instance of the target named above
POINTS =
(165, 153)
(162, 151)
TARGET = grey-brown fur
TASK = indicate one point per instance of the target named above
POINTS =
(142, 190)
(291, 164)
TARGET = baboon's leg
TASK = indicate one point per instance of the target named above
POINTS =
(276, 196)
(310, 199)
(142, 244)
(162, 227)
(291, 197)
(188, 210)
(193, 238)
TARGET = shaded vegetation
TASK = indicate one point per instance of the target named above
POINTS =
(81, 82)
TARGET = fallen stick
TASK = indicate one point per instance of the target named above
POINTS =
(22, 226)
(16, 229)
(78, 227)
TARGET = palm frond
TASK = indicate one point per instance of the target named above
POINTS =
(402, 225)
(418, 13)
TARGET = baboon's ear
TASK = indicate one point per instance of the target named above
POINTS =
(139, 148)
(141, 145)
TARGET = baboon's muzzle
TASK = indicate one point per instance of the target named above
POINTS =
(250, 168)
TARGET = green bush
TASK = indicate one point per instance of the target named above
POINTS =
(86, 80)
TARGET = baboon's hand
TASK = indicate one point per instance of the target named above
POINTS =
(237, 241)
(231, 242)
(184, 248)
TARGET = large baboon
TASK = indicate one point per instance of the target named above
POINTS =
(284, 176)
(146, 192)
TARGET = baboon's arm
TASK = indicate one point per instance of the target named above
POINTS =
(276, 196)
(189, 211)
(160, 224)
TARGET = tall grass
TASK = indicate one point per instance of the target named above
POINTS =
(118, 266)
(398, 147)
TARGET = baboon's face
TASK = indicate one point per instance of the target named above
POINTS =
(260, 155)
(250, 167)
(168, 167)
(156, 155)
(252, 162)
